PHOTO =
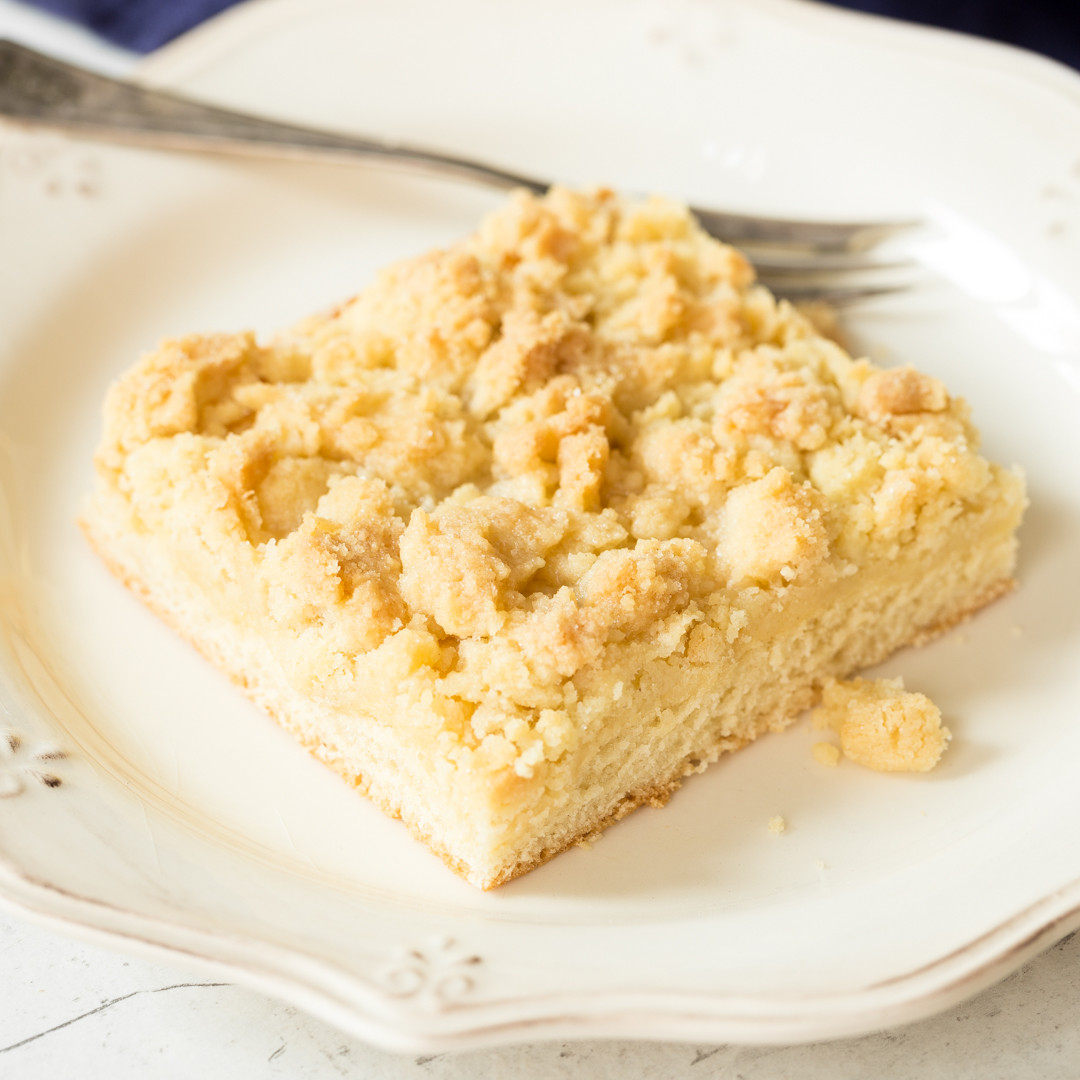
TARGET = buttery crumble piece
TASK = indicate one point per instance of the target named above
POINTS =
(883, 726)
(539, 525)
(826, 753)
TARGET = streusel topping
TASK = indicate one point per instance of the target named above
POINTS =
(583, 428)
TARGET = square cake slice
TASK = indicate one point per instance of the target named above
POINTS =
(539, 525)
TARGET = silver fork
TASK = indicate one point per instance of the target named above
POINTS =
(802, 260)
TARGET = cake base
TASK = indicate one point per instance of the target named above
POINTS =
(860, 624)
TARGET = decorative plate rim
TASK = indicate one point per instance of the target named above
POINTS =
(701, 1016)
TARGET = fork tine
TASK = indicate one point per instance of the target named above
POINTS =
(778, 262)
(836, 278)
(831, 294)
(810, 236)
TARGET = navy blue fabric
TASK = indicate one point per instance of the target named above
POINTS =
(1043, 25)
(141, 25)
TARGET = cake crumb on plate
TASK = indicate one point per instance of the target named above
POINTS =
(883, 726)
(826, 753)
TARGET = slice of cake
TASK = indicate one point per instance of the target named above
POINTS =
(540, 525)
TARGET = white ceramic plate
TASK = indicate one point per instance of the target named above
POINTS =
(186, 821)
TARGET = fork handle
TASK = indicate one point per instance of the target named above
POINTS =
(41, 91)
(46, 92)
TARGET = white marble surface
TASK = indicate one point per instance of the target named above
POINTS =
(74, 1010)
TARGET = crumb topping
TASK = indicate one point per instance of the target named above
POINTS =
(881, 725)
(581, 430)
